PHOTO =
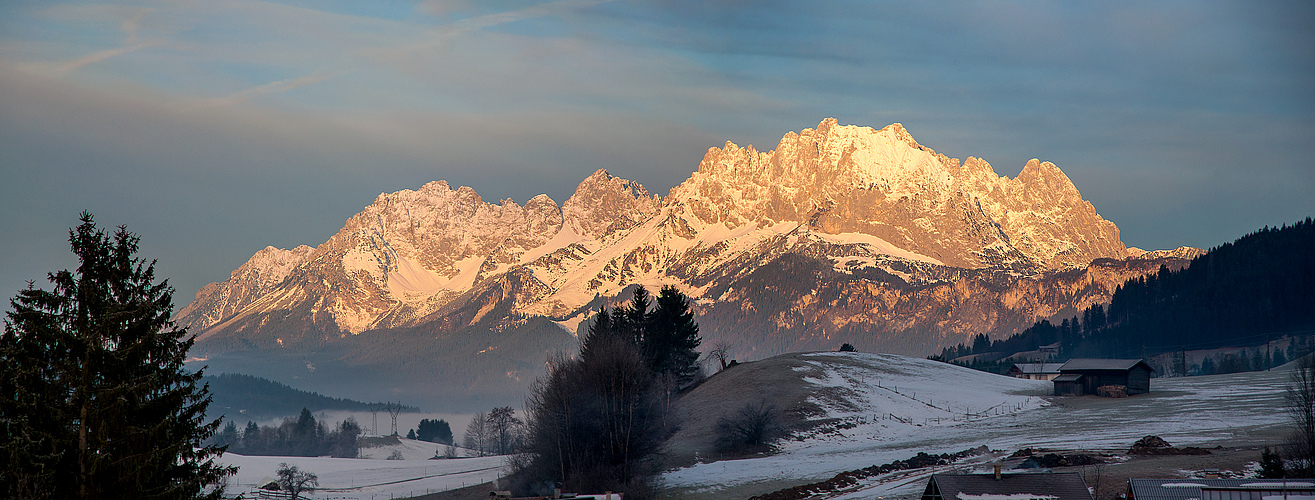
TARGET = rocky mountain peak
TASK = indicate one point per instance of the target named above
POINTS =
(603, 203)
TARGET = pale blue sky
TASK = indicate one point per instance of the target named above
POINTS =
(214, 128)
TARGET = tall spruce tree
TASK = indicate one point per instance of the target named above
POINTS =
(94, 399)
(671, 338)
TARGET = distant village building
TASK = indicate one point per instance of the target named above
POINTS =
(1220, 489)
(1035, 371)
(1051, 349)
(1119, 376)
(1029, 486)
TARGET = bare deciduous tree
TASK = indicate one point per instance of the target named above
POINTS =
(295, 481)
(721, 351)
(477, 434)
(503, 424)
(1300, 401)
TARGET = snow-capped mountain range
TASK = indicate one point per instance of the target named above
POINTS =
(839, 232)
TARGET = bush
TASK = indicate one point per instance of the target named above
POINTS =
(753, 428)
(1271, 464)
(847, 347)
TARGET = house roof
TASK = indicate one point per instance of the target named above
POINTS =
(1184, 489)
(1103, 364)
(1039, 486)
(1068, 377)
(1038, 367)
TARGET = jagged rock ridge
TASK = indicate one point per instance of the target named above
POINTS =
(929, 246)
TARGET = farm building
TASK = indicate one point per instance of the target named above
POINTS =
(1118, 376)
(1030, 486)
(1035, 371)
(1219, 489)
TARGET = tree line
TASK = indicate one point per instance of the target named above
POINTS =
(299, 437)
(1262, 283)
(260, 397)
(595, 421)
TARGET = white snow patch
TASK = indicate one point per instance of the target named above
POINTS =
(878, 244)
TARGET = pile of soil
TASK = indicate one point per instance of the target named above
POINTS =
(1051, 460)
(1154, 445)
(850, 478)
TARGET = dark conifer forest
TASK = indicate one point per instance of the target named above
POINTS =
(1238, 294)
(238, 396)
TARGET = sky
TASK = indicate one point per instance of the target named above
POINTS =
(216, 128)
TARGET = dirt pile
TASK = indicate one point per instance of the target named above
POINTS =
(1035, 460)
(1154, 445)
(850, 478)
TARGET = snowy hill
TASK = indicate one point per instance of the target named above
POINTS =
(876, 408)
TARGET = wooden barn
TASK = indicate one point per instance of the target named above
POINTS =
(1086, 376)
(1035, 371)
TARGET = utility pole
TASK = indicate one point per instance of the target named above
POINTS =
(394, 409)
(374, 418)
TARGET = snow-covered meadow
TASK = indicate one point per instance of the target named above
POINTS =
(895, 406)
(888, 408)
(368, 479)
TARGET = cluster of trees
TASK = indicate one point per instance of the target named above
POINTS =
(1263, 283)
(1245, 360)
(433, 431)
(94, 399)
(596, 421)
(498, 432)
(300, 437)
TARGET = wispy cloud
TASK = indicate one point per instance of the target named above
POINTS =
(439, 36)
(265, 89)
(130, 26)
(70, 66)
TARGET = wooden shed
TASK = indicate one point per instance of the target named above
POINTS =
(1134, 375)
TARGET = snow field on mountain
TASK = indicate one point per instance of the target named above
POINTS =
(976, 408)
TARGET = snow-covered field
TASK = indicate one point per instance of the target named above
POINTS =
(899, 406)
(370, 479)
(889, 407)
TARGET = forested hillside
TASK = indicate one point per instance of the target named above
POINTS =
(244, 397)
(1235, 295)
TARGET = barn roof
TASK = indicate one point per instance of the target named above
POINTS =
(1103, 364)
(1038, 367)
(1069, 377)
(1043, 486)
(1184, 489)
